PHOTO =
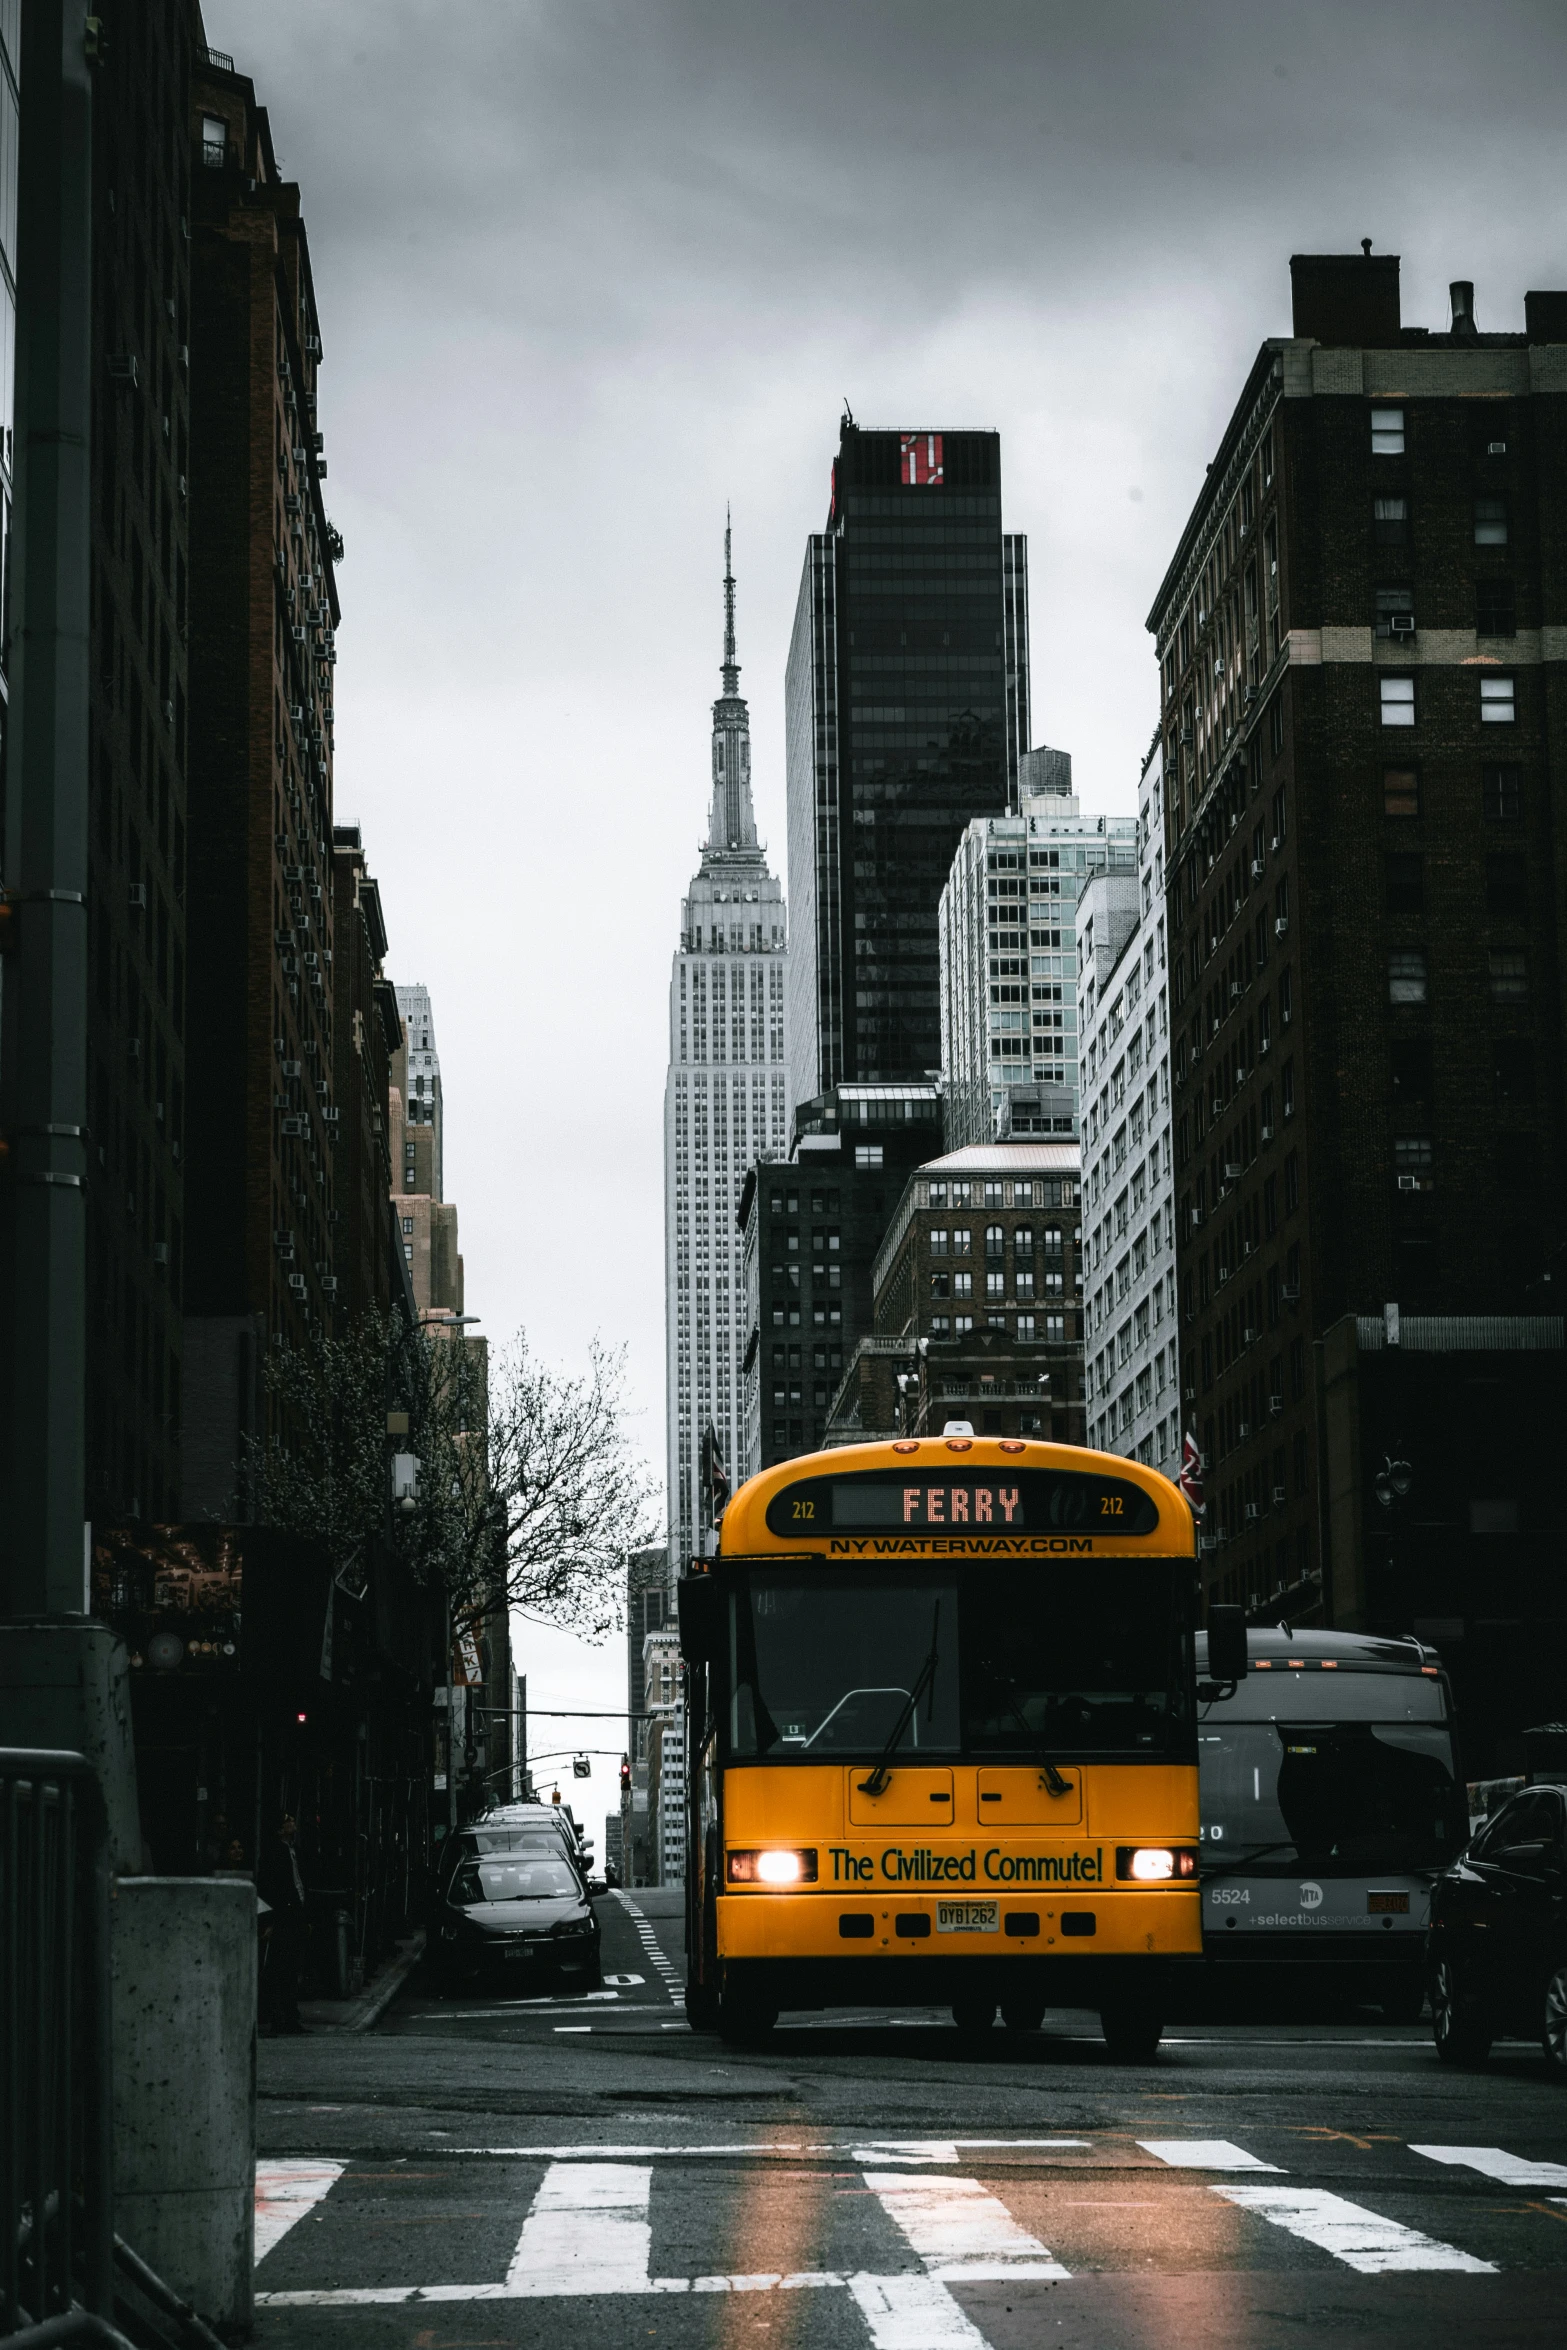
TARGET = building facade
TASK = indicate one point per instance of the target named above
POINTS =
(416, 1112)
(978, 1298)
(726, 1105)
(1008, 957)
(261, 1118)
(810, 1227)
(1361, 638)
(906, 711)
(1130, 1323)
(367, 1032)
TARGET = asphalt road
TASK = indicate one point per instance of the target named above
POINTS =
(493, 2171)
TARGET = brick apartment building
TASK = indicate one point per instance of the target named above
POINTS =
(978, 1302)
(263, 1216)
(1361, 639)
(367, 1032)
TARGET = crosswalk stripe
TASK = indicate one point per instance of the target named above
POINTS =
(1493, 2162)
(588, 2231)
(1203, 2154)
(285, 2191)
(913, 2313)
(949, 2149)
(959, 2229)
(1360, 2238)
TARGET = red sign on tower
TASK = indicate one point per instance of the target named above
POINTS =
(921, 461)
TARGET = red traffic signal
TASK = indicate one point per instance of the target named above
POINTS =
(625, 1774)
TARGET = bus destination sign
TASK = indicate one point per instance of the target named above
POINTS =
(972, 1507)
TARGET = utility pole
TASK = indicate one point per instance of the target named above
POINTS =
(62, 1679)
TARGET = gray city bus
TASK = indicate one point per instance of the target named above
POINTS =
(1330, 1800)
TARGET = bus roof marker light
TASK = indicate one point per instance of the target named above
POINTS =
(1010, 1444)
(907, 1444)
(960, 1443)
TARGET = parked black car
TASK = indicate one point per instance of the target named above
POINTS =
(1499, 1935)
(522, 1917)
(519, 1828)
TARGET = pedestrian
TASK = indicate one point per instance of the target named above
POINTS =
(282, 1888)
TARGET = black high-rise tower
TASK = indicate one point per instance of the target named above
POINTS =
(907, 708)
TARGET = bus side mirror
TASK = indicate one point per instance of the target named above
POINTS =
(701, 1603)
(1227, 1658)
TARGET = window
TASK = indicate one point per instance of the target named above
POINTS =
(1023, 1240)
(995, 1241)
(1403, 883)
(1390, 521)
(938, 1195)
(995, 1285)
(962, 1240)
(1395, 611)
(1398, 700)
(941, 1325)
(940, 1285)
(1387, 432)
(1286, 998)
(1509, 978)
(962, 1325)
(1276, 725)
(1287, 1089)
(1514, 1069)
(1507, 888)
(408, 1223)
(1501, 794)
(962, 1284)
(214, 141)
(1411, 1070)
(1055, 1328)
(1496, 701)
(1495, 614)
(992, 1195)
(1400, 791)
(1025, 1281)
(938, 1242)
(1025, 1328)
(1412, 1162)
(868, 1154)
(1490, 522)
(1406, 977)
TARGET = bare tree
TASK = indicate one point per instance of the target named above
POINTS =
(528, 1492)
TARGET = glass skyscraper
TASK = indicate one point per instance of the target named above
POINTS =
(906, 714)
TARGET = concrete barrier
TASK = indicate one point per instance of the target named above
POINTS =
(184, 1957)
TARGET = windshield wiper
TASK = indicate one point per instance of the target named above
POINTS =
(924, 1679)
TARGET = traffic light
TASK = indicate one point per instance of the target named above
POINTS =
(625, 1774)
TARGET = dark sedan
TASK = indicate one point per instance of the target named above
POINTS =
(521, 1917)
(1499, 1936)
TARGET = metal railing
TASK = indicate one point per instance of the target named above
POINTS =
(56, 2149)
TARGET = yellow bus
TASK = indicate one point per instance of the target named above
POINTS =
(941, 1738)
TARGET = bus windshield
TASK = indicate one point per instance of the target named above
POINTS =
(1006, 1659)
(1343, 1798)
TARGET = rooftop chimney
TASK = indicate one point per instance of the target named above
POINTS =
(1461, 296)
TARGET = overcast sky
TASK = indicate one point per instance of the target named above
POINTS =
(587, 269)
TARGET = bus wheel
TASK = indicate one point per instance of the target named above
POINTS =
(745, 2023)
(973, 2017)
(1022, 2015)
(701, 2007)
(1131, 2034)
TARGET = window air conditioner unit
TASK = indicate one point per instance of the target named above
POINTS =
(1292, 1293)
(1253, 1513)
(1188, 1395)
(295, 1126)
(1278, 1497)
(1274, 844)
(1249, 1336)
(298, 634)
(1236, 991)
(296, 1282)
(1256, 868)
(1281, 923)
(138, 897)
(1409, 1183)
(1401, 623)
(1242, 1430)
(1275, 1406)
(1267, 1133)
(329, 1284)
(1232, 1170)
(1196, 1219)
(291, 1068)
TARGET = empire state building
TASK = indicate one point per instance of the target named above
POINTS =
(726, 1103)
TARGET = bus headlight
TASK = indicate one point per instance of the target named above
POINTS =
(793, 1867)
(1154, 1864)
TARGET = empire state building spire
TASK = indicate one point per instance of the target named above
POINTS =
(733, 823)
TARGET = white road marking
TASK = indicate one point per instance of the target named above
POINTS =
(959, 2229)
(1493, 2163)
(1203, 2154)
(285, 2191)
(946, 2150)
(573, 2027)
(913, 2313)
(624, 1982)
(1361, 2239)
(588, 2231)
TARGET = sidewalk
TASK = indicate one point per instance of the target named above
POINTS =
(358, 2014)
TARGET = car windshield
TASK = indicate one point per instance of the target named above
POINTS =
(1007, 1659)
(524, 1878)
(1337, 1798)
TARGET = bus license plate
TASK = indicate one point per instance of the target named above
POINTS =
(968, 1917)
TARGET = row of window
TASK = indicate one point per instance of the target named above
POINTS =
(996, 1284)
(1030, 1328)
(1053, 1192)
(959, 1241)
(1390, 521)
(1498, 704)
(1408, 980)
(1501, 793)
